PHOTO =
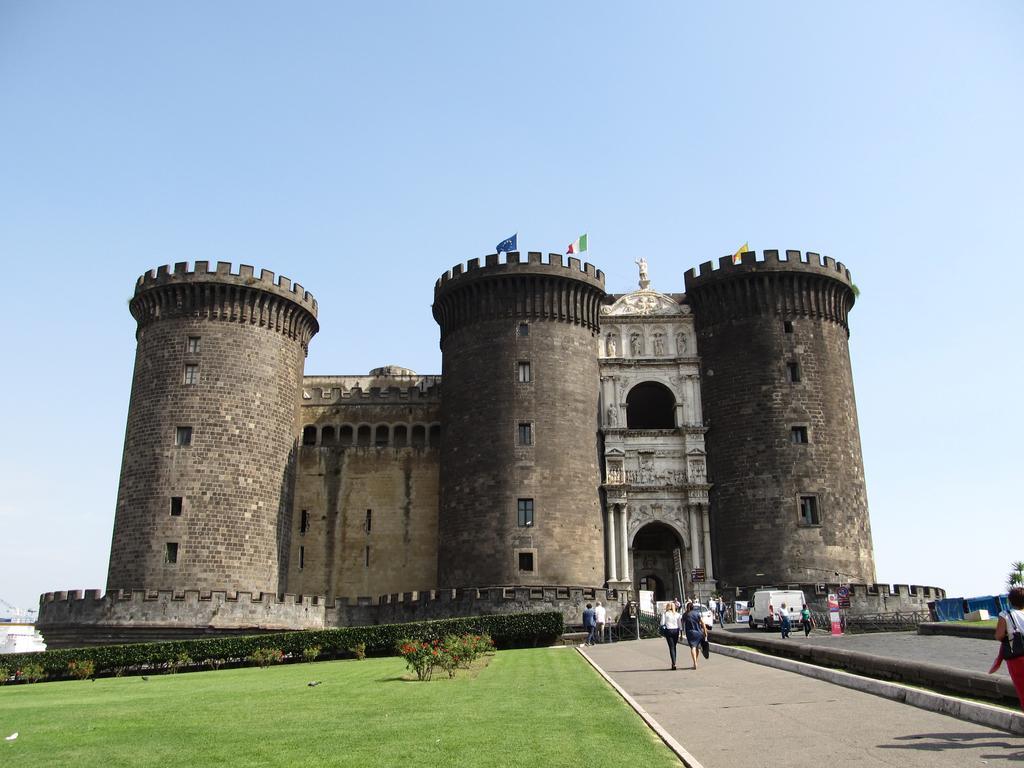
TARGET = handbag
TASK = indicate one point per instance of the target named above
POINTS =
(663, 630)
(1013, 643)
(705, 647)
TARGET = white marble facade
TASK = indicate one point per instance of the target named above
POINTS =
(653, 475)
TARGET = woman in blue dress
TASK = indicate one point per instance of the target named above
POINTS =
(696, 632)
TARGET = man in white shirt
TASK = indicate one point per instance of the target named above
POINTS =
(599, 616)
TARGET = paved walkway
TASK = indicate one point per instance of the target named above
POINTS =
(965, 653)
(735, 713)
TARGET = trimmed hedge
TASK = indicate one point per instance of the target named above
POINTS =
(507, 630)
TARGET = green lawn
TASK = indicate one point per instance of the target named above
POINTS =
(537, 707)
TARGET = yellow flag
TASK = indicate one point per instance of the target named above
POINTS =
(737, 258)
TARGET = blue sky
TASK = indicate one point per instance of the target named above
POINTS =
(363, 149)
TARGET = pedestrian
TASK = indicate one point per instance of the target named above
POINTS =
(670, 630)
(721, 611)
(1010, 634)
(599, 617)
(589, 623)
(805, 620)
(784, 624)
(696, 630)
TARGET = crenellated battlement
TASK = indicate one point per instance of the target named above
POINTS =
(223, 274)
(351, 390)
(799, 285)
(769, 261)
(512, 263)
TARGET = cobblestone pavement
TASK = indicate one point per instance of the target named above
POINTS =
(735, 713)
(957, 652)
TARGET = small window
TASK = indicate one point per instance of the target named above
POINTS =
(524, 372)
(304, 521)
(171, 552)
(302, 558)
(525, 434)
(809, 511)
(524, 329)
(183, 436)
(526, 513)
(787, 326)
(793, 372)
(191, 374)
(366, 561)
(192, 345)
(369, 520)
(526, 561)
(175, 506)
(798, 435)
(309, 435)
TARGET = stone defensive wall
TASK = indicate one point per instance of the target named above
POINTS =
(525, 290)
(865, 598)
(77, 618)
(799, 285)
(351, 390)
(266, 300)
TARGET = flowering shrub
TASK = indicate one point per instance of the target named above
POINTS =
(264, 657)
(82, 670)
(451, 653)
(359, 651)
(33, 673)
(420, 656)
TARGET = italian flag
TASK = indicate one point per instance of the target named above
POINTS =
(579, 245)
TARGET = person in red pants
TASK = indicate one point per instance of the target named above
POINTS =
(1012, 622)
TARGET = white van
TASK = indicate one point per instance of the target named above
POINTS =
(766, 603)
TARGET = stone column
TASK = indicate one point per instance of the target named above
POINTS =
(694, 536)
(609, 541)
(623, 542)
(706, 521)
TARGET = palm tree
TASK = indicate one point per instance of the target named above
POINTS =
(1016, 576)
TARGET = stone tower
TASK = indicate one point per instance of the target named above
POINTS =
(788, 500)
(204, 500)
(519, 452)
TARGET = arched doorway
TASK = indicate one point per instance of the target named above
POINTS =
(653, 551)
(650, 405)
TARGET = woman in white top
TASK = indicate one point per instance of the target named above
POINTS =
(670, 629)
(1012, 621)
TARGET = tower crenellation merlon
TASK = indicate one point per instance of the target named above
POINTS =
(223, 273)
(513, 262)
(770, 261)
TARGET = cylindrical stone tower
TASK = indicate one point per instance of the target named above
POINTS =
(788, 501)
(519, 451)
(205, 495)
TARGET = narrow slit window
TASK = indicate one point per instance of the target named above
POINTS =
(302, 558)
(183, 436)
(171, 552)
(369, 520)
(304, 521)
(524, 372)
(366, 561)
(191, 374)
(793, 372)
(525, 434)
(175, 506)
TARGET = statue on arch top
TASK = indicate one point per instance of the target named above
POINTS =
(644, 279)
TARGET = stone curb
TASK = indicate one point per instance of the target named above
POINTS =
(973, 712)
(687, 759)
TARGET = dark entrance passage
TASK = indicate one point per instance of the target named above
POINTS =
(650, 406)
(653, 561)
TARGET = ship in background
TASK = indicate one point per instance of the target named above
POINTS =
(18, 630)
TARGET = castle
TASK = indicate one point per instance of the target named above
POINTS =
(577, 445)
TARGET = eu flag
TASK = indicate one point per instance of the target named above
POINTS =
(507, 245)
